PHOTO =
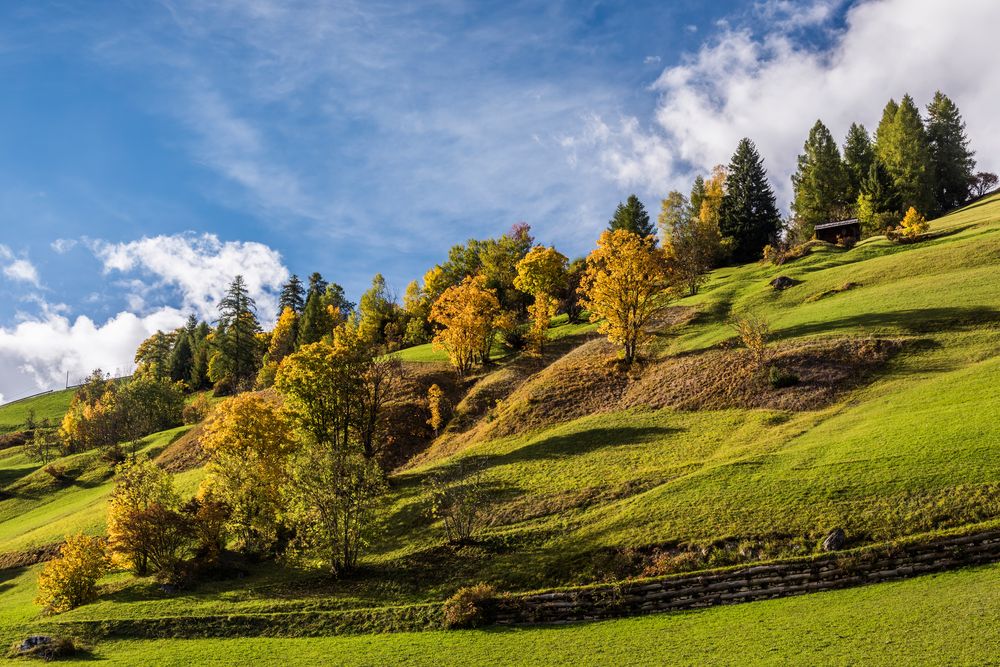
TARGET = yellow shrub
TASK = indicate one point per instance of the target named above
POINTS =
(70, 579)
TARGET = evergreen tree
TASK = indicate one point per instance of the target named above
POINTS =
(904, 150)
(199, 363)
(748, 215)
(952, 163)
(317, 285)
(293, 296)
(336, 302)
(883, 133)
(878, 203)
(181, 358)
(697, 196)
(237, 335)
(859, 154)
(315, 322)
(632, 216)
(820, 184)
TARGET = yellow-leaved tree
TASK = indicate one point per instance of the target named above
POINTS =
(914, 224)
(626, 284)
(280, 345)
(248, 441)
(469, 314)
(143, 495)
(541, 273)
(70, 579)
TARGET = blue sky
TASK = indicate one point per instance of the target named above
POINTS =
(150, 150)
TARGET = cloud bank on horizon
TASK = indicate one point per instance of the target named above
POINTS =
(564, 148)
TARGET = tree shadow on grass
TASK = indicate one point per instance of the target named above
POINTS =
(912, 321)
(10, 475)
(560, 446)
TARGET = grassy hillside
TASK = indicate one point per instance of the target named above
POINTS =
(683, 462)
(51, 406)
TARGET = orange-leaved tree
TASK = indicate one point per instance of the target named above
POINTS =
(541, 273)
(626, 284)
(468, 314)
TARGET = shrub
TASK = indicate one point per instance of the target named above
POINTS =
(755, 333)
(70, 579)
(459, 498)
(780, 378)
(197, 409)
(470, 607)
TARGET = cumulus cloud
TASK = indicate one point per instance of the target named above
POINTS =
(40, 351)
(200, 267)
(772, 88)
(18, 268)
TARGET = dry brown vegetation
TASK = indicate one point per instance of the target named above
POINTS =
(184, 453)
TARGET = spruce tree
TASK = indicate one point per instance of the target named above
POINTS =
(315, 322)
(181, 358)
(952, 163)
(859, 154)
(820, 183)
(293, 296)
(632, 216)
(748, 214)
(317, 285)
(697, 196)
(334, 299)
(237, 334)
(904, 150)
(878, 203)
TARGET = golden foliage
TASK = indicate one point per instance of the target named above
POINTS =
(248, 442)
(435, 396)
(914, 224)
(70, 579)
(469, 314)
(541, 273)
(755, 333)
(140, 485)
(625, 286)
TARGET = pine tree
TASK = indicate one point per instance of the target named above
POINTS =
(820, 184)
(952, 163)
(904, 150)
(859, 154)
(293, 296)
(237, 334)
(878, 203)
(199, 363)
(335, 301)
(632, 216)
(748, 213)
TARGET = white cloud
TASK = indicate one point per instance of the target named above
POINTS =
(18, 268)
(772, 89)
(40, 351)
(63, 246)
(651, 60)
(199, 266)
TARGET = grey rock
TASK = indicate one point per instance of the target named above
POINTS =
(834, 540)
(783, 282)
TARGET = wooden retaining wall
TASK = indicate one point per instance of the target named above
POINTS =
(762, 582)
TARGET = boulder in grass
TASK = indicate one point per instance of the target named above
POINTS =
(783, 283)
(43, 647)
(834, 540)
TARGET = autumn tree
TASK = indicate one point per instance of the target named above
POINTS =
(44, 442)
(249, 441)
(748, 213)
(152, 357)
(820, 183)
(499, 259)
(70, 579)
(571, 290)
(141, 488)
(625, 286)
(541, 273)
(468, 314)
(377, 310)
(951, 160)
(693, 244)
(632, 217)
(435, 405)
(282, 344)
(416, 310)
(913, 225)
(878, 203)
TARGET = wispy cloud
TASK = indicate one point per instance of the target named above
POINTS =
(18, 268)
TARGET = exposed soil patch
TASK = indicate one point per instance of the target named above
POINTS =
(15, 559)
(831, 292)
(407, 433)
(184, 453)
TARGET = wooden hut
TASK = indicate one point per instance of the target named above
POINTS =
(831, 232)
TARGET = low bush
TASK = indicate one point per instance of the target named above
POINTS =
(197, 409)
(70, 579)
(780, 378)
(470, 607)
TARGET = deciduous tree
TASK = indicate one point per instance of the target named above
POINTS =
(625, 287)
(70, 579)
(140, 486)
(468, 315)
(541, 273)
